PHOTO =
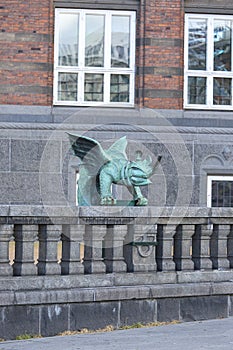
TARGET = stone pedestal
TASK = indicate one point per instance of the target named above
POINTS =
(140, 249)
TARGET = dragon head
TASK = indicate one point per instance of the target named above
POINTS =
(137, 173)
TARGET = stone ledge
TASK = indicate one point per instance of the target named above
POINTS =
(113, 280)
(107, 294)
(94, 214)
(205, 276)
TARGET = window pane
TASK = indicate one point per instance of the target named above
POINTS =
(68, 40)
(67, 86)
(119, 90)
(222, 45)
(222, 91)
(197, 44)
(120, 42)
(94, 87)
(222, 193)
(94, 41)
(197, 90)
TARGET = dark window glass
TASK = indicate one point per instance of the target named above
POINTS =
(222, 193)
(222, 91)
(68, 39)
(222, 45)
(67, 86)
(197, 44)
(197, 90)
(94, 87)
(120, 46)
(94, 41)
(119, 90)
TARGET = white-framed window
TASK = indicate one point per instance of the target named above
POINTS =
(94, 61)
(219, 191)
(208, 62)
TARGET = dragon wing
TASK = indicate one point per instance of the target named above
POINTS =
(90, 152)
(117, 150)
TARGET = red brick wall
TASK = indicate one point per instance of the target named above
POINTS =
(26, 52)
(161, 54)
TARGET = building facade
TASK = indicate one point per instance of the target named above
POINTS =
(159, 72)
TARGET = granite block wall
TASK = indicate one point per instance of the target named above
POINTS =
(52, 319)
(37, 165)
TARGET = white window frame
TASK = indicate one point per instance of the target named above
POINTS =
(209, 73)
(210, 179)
(107, 70)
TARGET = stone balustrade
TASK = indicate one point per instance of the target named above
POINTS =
(100, 240)
(64, 269)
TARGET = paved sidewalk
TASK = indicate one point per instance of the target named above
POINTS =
(213, 334)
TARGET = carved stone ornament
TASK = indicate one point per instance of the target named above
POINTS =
(101, 168)
(227, 153)
(145, 245)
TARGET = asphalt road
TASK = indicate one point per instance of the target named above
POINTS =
(204, 335)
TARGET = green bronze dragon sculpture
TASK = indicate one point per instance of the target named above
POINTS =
(101, 168)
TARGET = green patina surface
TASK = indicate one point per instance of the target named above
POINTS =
(101, 168)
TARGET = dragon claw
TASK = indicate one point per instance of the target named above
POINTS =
(108, 201)
(141, 201)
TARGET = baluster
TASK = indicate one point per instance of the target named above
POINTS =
(72, 238)
(25, 236)
(201, 247)
(6, 234)
(93, 241)
(164, 250)
(223, 232)
(218, 247)
(139, 255)
(182, 247)
(230, 246)
(49, 236)
(113, 248)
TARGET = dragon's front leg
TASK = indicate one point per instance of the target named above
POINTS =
(105, 182)
(139, 199)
